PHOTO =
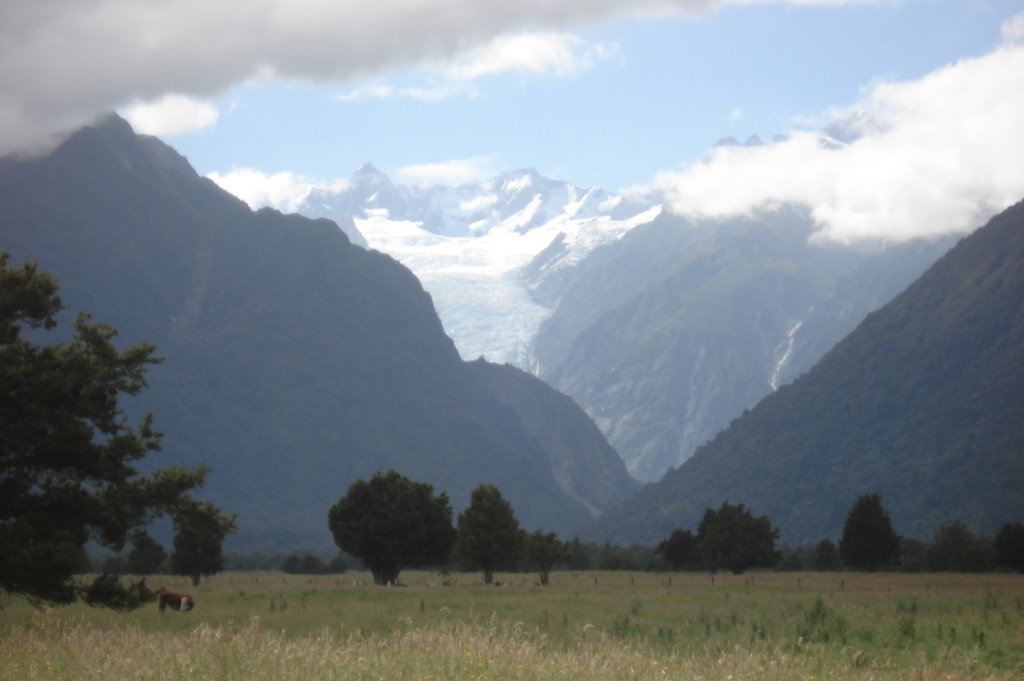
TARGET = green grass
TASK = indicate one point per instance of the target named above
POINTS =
(601, 625)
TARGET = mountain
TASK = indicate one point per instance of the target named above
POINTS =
(295, 362)
(584, 463)
(669, 333)
(468, 244)
(922, 403)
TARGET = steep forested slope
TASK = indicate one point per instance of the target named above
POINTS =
(923, 403)
(294, 361)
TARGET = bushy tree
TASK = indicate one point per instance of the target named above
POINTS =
(680, 550)
(544, 551)
(1009, 546)
(955, 549)
(488, 533)
(733, 538)
(199, 532)
(391, 523)
(869, 541)
(67, 454)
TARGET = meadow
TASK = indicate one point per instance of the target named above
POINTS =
(584, 625)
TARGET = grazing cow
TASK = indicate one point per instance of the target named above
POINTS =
(176, 601)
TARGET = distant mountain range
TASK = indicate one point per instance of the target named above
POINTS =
(922, 403)
(295, 362)
(663, 329)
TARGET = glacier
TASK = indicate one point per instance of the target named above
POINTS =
(469, 245)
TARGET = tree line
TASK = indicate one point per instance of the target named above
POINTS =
(68, 476)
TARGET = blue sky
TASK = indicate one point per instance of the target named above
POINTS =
(665, 90)
(274, 97)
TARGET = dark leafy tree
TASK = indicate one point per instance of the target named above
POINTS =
(67, 454)
(869, 541)
(391, 523)
(146, 557)
(488, 533)
(199, 532)
(544, 551)
(955, 549)
(680, 550)
(1009, 547)
(733, 538)
(826, 556)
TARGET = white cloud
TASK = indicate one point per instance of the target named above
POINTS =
(171, 115)
(936, 155)
(284, 191)
(559, 55)
(454, 172)
(1013, 29)
(64, 61)
(553, 55)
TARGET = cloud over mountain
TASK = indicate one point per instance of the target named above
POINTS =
(931, 156)
(64, 61)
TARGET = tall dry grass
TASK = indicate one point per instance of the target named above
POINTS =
(604, 626)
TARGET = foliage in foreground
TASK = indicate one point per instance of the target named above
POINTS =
(68, 458)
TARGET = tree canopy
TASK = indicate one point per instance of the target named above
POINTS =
(544, 550)
(869, 541)
(390, 523)
(489, 535)
(67, 454)
(680, 550)
(199, 531)
(733, 538)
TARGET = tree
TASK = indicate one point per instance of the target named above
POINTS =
(544, 551)
(199, 531)
(488, 533)
(1009, 546)
(67, 453)
(146, 556)
(680, 550)
(869, 541)
(826, 556)
(955, 549)
(732, 537)
(391, 523)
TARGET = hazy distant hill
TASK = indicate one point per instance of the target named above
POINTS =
(295, 362)
(923, 403)
(668, 334)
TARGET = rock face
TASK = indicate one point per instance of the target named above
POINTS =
(295, 362)
(922, 403)
(668, 334)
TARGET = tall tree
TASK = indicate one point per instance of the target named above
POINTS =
(199, 532)
(869, 541)
(67, 454)
(489, 536)
(732, 537)
(544, 551)
(390, 523)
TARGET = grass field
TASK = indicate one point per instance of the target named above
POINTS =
(585, 625)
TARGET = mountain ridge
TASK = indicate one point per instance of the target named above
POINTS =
(922, 403)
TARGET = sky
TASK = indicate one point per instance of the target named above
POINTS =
(282, 95)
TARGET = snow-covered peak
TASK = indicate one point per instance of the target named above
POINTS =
(471, 245)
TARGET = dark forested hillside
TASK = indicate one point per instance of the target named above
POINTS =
(294, 361)
(668, 334)
(923, 403)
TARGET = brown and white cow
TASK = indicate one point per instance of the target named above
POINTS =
(175, 601)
